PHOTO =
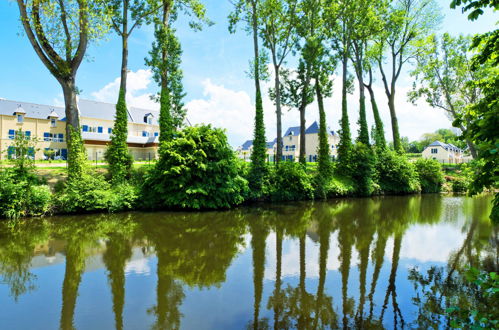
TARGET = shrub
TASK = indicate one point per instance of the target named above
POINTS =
(459, 184)
(430, 174)
(289, 182)
(339, 187)
(396, 175)
(93, 193)
(22, 198)
(197, 170)
(362, 168)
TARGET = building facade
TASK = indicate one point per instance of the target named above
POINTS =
(444, 153)
(291, 145)
(48, 125)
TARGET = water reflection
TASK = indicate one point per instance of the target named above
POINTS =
(210, 255)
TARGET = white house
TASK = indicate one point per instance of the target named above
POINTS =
(291, 144)
(444, 153)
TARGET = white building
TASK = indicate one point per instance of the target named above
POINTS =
(291, 145)
(444, 153)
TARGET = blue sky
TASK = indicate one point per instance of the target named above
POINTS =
(214, 64)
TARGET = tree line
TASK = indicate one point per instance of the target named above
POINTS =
(359, 38)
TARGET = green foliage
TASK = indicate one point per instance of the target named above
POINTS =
(92, 193)
(24, 155)
(21, 197)
(77, 155)
(459, 185)
(258, 169)
(464, 299)
(196, 170)
(361, 169)
(336, 186)
(396, 175)
(430, 175)
(290, 182)
(117, 154)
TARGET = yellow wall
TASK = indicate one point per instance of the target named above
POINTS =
(38, 127)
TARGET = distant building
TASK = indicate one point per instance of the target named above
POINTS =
(291, 145)
(48, 124)
(444, 153)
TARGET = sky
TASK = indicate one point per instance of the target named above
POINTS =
(214, 63)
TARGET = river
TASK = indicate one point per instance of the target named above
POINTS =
(308, 265)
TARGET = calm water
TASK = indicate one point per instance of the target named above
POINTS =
(303, 265)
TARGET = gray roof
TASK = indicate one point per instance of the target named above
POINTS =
(293, 131)
(312, 129)
(246, 145)
(444, 145)
(87, 108)
(107, 111)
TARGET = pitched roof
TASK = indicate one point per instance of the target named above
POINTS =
(271, 144)
(246, 145)
(312, 129)
(444, 145)
(87, 108)
(293, 131)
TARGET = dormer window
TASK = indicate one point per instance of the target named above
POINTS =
(148, 119)
(20, 118)
(53, 122)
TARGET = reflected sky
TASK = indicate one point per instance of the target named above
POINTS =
(340, 263)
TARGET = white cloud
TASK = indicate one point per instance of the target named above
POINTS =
(234, 110)
(138, 83)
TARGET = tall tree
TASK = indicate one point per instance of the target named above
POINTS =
(277, 28)
(249, 12)
(366, 25)
(165, 59)
(482, 116)
(127, 15)
(340, 24)
(444, 77)
(59, 32)
(406, 21)
(379, 130)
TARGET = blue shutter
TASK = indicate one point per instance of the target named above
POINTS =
(27, 134)
(109, 130)
(144, 133)
(156, 133)
(85, 128)
(64, 154)
(61, 137)
(99, 129)
(46, 136)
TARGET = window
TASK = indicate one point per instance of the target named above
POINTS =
(20, 119)
(12, 134)
(53, 122)
(287, 148)
(149, 120)
(60, 137)
(27, 135)
(109, 130)
(290, 137)
(156, 133)
(85, 128)
(434, 150)
(145, 134)
(100, 129)
(47, 137)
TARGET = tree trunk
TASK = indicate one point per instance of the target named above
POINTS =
(124, 50)
(363, 129)
(345, 137)
(303, 152)
(324, 165)
(278, 114)
(397, 145)
(379, 137)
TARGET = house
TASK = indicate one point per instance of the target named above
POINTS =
(444, 153)
(291, 144)
(244, 151)
(48, 124)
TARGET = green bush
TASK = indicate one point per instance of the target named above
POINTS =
(22, 198)
(430, 174)
(459, 184)
(290, 182)
(197, 170)
(339, 187)
(361, 169)
(396, 175)
(93, 193)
